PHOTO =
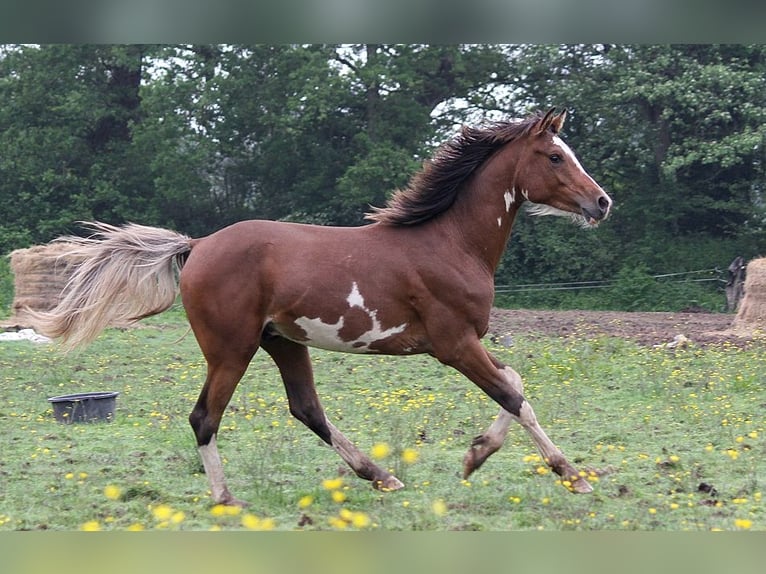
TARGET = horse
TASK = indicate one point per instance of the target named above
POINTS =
(418, 278)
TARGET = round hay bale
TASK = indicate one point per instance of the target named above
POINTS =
(752, 310)
(40, 274)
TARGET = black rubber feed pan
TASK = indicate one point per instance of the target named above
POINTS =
(84, 407)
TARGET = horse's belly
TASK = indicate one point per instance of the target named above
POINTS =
(313, 332)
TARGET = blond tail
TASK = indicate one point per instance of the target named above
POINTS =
(121, 274)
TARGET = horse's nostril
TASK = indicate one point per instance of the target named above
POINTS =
(603, 204)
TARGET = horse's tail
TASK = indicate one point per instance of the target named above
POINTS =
(121, 275)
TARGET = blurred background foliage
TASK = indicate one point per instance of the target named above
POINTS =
(195, 137)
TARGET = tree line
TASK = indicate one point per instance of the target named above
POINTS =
(195, 137)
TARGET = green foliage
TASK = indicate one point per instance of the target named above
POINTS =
(195, 137)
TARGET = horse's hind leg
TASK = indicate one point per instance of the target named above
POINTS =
(224, 373)
(294, 365)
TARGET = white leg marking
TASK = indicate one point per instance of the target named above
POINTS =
(497, 431)
(211, 460)
(528, 419)
(358, 461)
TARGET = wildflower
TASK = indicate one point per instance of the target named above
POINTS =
(251, 521)
(332, 483)
(162, 512)
(69, 475)
(91, 526)
(360, 520)
(178, 517)
(743, 523)
(135, 527)
(410, 455)
(337, 522)
(541, 470)
(305, 501)
(225, 510)
(439, 507)
(338, 496)
(380, 450)
(112, 492)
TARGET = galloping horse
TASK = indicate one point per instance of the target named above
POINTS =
(419, 279)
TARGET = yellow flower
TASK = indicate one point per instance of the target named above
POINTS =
(178, 517)
(305, 501)
(337, 522)
(112, 492)
(91, 526)
(410, 455)
(542, 470)
(439, 507)
(338, 496)
(69, 475)
(380, 450)
(332, 483)
(360, 520)
(251, 521)
(135, 527)
(743, 523)
(225, 510)
(162, 512)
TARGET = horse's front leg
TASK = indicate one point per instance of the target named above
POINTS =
(505, 387)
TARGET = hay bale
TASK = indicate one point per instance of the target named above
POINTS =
(40, 274)
(752, 309)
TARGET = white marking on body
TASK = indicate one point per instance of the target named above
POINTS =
(509, 197)
(355, 298)
(499, 221)
(525, 194)
(327, 335)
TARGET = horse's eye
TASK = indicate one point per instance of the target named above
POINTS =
(555, 158)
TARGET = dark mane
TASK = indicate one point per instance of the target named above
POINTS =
(433, 189)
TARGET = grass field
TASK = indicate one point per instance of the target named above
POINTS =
(674, 438)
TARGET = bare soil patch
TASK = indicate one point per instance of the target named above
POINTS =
(653, 328)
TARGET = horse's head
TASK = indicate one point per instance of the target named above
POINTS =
(550, 177)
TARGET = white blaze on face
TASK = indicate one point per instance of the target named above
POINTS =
(327, 335)
(567, 151)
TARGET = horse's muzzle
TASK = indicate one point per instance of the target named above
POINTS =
(598, 210)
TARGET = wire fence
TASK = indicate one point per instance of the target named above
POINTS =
(715, 274)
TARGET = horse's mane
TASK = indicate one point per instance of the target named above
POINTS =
(433, 189)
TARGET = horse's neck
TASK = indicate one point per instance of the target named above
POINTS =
(482, 220)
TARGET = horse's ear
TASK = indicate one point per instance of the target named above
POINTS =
(545, 122)
(558, 121)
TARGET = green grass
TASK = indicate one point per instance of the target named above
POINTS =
(660, 422)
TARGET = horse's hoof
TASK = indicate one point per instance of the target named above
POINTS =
(388, 484)
(231, 501)
(581, 486)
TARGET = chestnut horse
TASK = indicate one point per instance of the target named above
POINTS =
(419, 279)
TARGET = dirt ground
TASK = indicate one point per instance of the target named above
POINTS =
(645, 328)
